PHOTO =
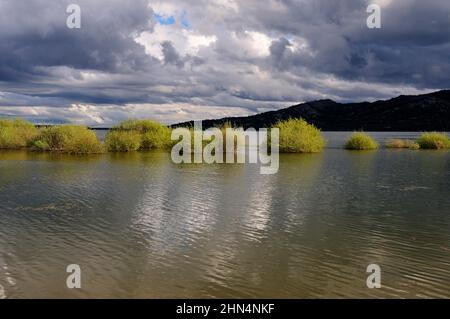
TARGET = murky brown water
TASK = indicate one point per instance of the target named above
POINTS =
(142, 227)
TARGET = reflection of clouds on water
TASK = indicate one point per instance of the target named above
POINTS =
(2, 292)
(2, 274)
(256, 214)
(176, 208)
(6, 279)
(414, 188)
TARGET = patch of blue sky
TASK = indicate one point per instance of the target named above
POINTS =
(165, 20)
(184, 21)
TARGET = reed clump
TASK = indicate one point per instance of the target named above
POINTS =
(434, 141)
(361, 141)
(298, 136)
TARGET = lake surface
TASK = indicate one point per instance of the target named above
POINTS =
(140, 226)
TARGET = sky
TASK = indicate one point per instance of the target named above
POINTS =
(176, 60)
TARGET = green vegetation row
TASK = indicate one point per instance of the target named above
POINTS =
(19, 134)
(296, 136)
(430, 141)
(138, 135)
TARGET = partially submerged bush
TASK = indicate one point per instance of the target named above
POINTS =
(434, 140)
(361, 141)
(16, 134)
(123, 141)
(160, 138)
(399, 143)
(132, 135)
(414, 146)
(67, 139)
(297, 136)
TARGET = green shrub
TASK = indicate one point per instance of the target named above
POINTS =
(434, 140)
(297, 136)
(159, 138)
(361, 141)
(123, 141)
(399, 143)
(134, 135)
(413, 146)
(16, 134)
(140, 126)
(238, 142)
(67, 139)
(41, 146)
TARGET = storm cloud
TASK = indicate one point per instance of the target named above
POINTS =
(181, 60)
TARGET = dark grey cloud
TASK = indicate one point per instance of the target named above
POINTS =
(36, 36)
(410, 48)
(171, 55)
(233, 56)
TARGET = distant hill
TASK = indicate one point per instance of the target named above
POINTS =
(428, 112)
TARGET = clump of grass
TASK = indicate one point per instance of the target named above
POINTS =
(16, 134)
(133, 135)
(298, 136)
(434, 140)
(67, 139)
(399, 143)
(414, 146)
(361, 141)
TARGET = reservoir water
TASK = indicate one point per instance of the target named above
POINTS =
(140, 226)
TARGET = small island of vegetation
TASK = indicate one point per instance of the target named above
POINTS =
(361, 141)
(67, 139)
(400, 143)
(427, 141)
(135, 135)
(298, 136)
(434, 140)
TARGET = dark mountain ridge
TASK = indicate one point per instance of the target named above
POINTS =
(427, 112)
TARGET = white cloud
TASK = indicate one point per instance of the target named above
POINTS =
(186, 42)
(381, 3)
(107, 115)
(259, 43)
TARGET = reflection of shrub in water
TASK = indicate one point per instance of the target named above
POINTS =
(301, 166)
